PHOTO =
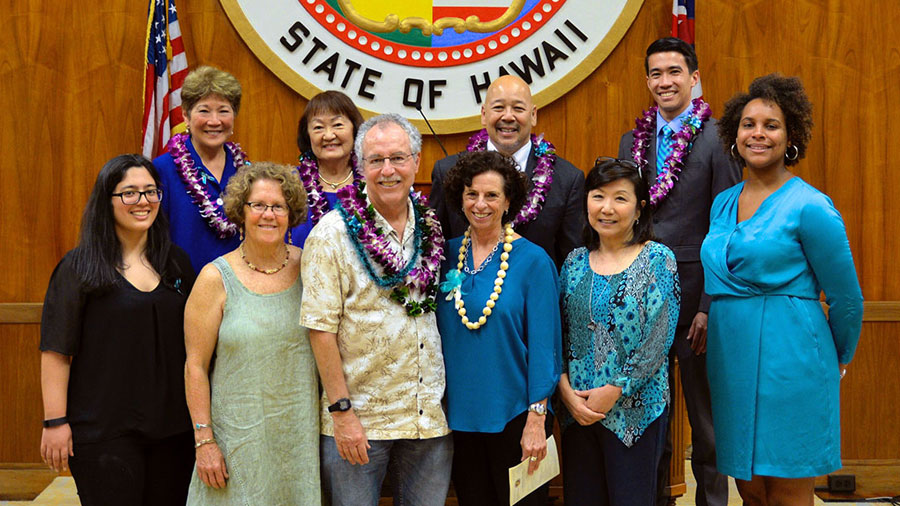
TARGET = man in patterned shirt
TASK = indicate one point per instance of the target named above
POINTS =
(380, 361)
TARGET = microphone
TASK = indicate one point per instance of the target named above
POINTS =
(438, 139)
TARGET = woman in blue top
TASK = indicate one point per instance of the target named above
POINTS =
(620, 302)
(325, 137)
(199, 164)
(500, 328)
(775, 360)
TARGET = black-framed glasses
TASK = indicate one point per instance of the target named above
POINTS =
(132, 197)
(627, 163)
(396, 160)
(259, 208)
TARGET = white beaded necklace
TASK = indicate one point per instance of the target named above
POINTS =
(498, 283)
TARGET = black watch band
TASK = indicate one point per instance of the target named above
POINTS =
(342, 404)
(55, 422)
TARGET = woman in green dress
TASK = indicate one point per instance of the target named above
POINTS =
(255, 413)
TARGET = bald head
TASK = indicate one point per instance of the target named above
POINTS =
(508, 113)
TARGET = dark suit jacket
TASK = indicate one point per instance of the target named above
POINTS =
(681, 220)
(557, 228)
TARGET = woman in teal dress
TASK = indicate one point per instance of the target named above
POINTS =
(256, 412)
(620, 302)
(775, 360)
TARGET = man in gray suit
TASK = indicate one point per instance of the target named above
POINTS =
(508, 115)
(681, 221)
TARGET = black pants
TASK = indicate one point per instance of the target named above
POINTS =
(598, 469)
(481, 463)
(712, 487)
(134, 470)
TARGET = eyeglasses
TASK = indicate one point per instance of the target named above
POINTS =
(395, 160)
(260, 208)
(626, 163)
(132, 197)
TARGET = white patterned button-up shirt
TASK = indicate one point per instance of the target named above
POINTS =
(392, 363)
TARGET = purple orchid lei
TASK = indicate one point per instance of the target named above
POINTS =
(420, 274)
(541, 180)
(309, 176)
(211, 211)
(684, 140)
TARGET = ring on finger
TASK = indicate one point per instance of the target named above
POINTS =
(533, 458)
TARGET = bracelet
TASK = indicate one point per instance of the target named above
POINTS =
(55, 422)
(198, 426)
(198, 444)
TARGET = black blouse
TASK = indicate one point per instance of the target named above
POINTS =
(127, 349)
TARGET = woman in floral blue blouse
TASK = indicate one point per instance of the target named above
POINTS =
(620, 301)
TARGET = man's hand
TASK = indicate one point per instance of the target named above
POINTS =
(350, 437)
(697, 333)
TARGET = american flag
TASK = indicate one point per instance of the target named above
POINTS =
(683, 28)
(163, 77)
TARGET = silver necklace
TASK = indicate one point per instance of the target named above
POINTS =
(486, 260)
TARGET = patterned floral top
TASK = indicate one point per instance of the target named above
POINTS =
(393, 363)
(624, 338)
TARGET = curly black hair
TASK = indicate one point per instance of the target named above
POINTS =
(469, 165)
(788, 94)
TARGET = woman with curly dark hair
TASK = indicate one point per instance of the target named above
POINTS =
(500, 327)
(775, 360)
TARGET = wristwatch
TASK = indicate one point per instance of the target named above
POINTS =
(538, 408)
(342, 404)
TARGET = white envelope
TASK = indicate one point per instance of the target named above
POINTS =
(522, 484)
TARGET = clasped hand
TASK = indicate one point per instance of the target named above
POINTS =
(591, 406)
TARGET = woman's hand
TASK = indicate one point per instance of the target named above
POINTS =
(603, 398)
(576, 403)
(211, 465)
(534, 441)
(56, 447)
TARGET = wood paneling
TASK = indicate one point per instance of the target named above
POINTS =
(21, 410)
(71, 93)
(869, 396)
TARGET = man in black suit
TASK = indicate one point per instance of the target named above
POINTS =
(508, 115)
(681, 221)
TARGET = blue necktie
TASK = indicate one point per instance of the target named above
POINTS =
(664, 143)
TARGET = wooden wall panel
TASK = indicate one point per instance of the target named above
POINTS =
(71, 83)
(21, 410)
(869, 395)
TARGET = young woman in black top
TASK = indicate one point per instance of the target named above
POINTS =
(112, 348)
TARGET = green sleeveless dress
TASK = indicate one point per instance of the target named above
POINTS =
(264, 402)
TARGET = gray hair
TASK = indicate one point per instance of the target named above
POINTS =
(415, 138)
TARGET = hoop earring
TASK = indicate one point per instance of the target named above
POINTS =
(796, 153)
(734, 153)
(636, 221)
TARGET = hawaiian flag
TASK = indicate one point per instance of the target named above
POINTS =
(683, 28)
(163, 77)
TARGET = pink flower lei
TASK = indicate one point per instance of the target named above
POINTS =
(309, 176)
(190, 176)
(420, 274)
(684, 140)
(541, 180)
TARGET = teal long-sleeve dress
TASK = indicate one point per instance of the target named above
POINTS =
(772, 355)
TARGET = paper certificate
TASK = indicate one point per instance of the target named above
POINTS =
(522, 484)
